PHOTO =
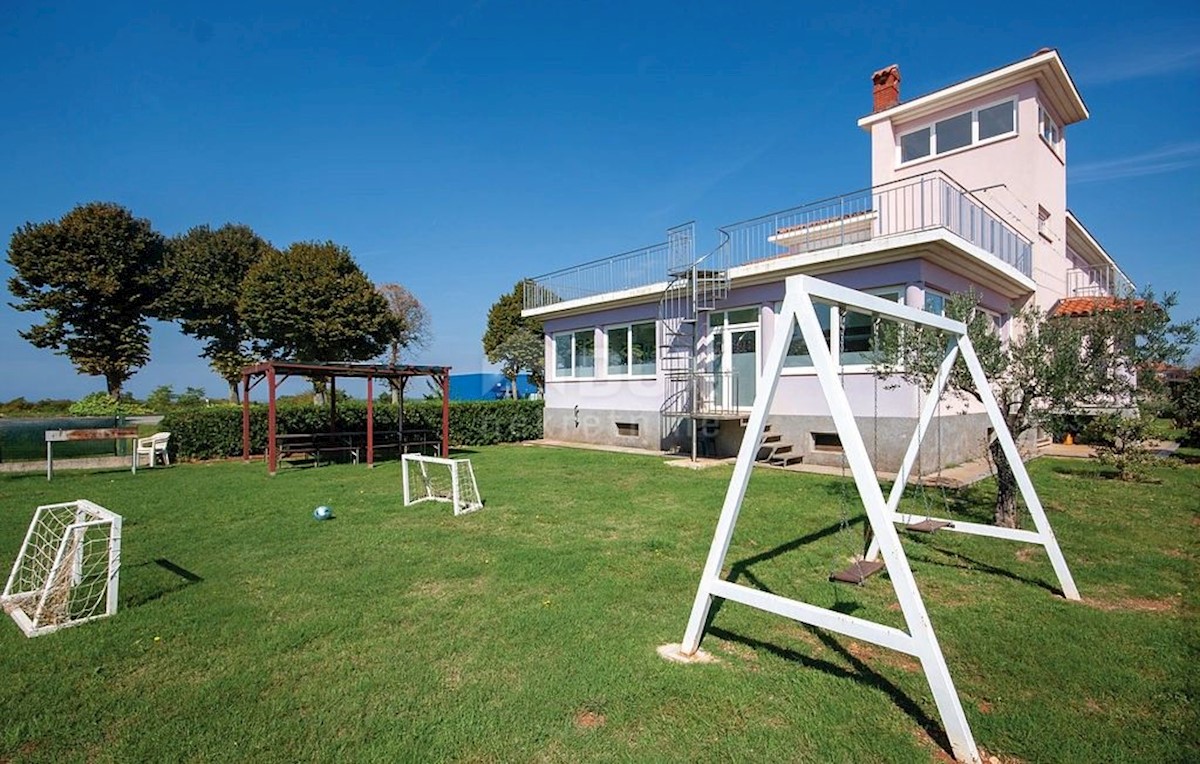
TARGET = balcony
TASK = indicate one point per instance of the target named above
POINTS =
(874, 218)
(1098, 281)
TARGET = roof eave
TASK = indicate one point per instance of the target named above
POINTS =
(1047, 68)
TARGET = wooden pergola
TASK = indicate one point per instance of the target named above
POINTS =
(275, 372)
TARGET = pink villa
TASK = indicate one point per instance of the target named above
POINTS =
(968, 191)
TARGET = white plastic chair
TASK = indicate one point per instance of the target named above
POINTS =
(153, 447)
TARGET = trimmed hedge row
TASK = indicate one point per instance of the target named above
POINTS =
(216, 432)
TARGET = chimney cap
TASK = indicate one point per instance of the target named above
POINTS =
(882, 76)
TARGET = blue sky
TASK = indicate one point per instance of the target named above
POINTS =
(457, 147)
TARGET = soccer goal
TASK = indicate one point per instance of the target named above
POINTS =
(431, 478)
(67, 570)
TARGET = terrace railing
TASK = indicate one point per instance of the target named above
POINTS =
(1098, 281)
(921, 203)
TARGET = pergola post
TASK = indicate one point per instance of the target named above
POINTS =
(370, 421)
(246, 418)
(445, 414)
(272, 451)
(400, 417)
(332, 403)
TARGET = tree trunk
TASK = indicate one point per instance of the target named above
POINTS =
(113, 382)
(1005, 514)
(513, 387)
(233, 391)
(318, 387)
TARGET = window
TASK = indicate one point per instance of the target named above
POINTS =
(997, 120)
(797, 354)
(740, 316)
(953, 133)
(826, 441)
(632, 350)
(935, 302)
(914, 145)
(960, 131)
(851, 343)
(1043, 222)
(1051, 132)
(575, 354)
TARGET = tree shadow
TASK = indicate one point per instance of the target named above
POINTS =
(183, 579)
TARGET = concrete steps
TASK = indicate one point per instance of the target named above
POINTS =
(772, 450)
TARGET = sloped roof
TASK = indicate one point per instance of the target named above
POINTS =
(1076, 307)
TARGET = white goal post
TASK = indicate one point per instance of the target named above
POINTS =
(432, 478)
(67, 570)
(919, 641)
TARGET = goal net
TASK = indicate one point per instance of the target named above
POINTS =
(431, 478)
(66, 572)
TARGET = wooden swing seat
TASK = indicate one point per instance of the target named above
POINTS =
(929, 525)
(858, 572)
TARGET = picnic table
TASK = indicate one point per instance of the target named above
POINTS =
(103, 433)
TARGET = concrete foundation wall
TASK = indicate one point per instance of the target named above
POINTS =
(604, 426)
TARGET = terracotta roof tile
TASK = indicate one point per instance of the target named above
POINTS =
(1088, 306)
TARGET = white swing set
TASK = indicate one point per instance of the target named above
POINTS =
(919, 641)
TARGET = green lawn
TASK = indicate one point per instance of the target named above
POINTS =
(527, 631)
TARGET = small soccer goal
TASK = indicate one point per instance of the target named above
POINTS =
(66, 572)
(431, 478)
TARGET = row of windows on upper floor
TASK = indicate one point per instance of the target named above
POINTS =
(977, 126)
(630, 350)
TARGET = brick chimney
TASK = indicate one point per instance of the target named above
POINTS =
(887, 87)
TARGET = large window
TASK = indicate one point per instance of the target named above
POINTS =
(631, 350)
(575, 354)
(960, 131)
(852, 342)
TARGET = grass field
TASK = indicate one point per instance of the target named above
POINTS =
(527, 631)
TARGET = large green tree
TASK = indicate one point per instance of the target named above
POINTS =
(513, 341)
(1049, 366)
(204, 272)
(95, 275)
(312, 303)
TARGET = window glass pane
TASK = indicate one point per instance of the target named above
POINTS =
(797, 355)
(585, 353)
(953, 133)
(914, 145)
(618, 350)
(935, 303)
(996, 120)
(644, 349)
(856, 342)
(562, 355)
(743, 316)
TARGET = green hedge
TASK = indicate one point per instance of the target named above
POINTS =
(216, 432)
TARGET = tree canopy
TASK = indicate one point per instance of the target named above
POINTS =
(203, 277)
(513, 341)
(1049, 366)
(312, 303)
(96, 276)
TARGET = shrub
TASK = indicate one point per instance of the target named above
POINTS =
(216, 432)
(1120, 443)
(1185, 398)
(102, 404)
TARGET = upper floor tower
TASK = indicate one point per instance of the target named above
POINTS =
(1001, 134)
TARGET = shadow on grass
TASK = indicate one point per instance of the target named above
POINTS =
(858, 672)
(958, 560)
(183, 579)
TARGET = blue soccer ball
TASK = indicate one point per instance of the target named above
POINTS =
(322, 513)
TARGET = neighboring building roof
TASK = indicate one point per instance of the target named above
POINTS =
(1045, 66)
(1077, 307)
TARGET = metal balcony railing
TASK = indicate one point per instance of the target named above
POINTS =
(925, 202)
(1098, 281)
(707, 393)
(922, 203)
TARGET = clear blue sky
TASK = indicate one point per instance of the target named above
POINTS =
(456, 147)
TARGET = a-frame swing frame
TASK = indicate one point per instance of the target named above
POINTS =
(919, 641)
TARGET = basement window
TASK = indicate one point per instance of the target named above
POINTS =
(627, 428)
(826, 441)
